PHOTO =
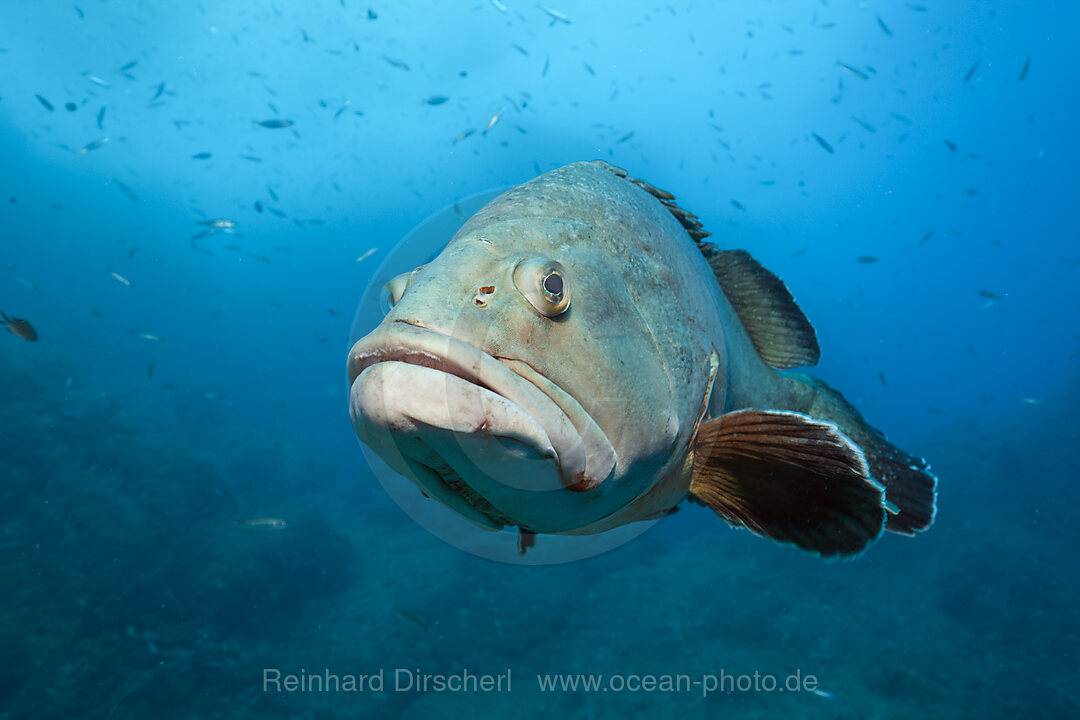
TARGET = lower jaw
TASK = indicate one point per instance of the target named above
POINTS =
(477, 453)
(514, 491)
(492, 480)
(442, 482)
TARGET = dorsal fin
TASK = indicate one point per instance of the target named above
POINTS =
(781, 333)
(687, 219)
(784, 338)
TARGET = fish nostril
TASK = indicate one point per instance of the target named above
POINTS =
(482, 296)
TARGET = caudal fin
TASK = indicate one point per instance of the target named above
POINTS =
(910, 487)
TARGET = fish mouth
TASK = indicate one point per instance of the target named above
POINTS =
(398, 375)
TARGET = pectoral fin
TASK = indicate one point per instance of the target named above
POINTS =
(790, 478)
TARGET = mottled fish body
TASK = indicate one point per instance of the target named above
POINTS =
(577, 358)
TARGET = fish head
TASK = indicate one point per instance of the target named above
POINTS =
(517, 376)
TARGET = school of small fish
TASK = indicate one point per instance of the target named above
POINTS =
(100, 103)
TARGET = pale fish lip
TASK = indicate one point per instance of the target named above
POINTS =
(600, 455)
(430, 426)
(402, 342)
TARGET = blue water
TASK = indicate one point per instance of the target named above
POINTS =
(130, 591)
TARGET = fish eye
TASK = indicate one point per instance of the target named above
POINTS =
(543, 283)
(393, 291)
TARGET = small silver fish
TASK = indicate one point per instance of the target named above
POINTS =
(555, 15)
(219, 223)
(272, 523)
(94, 145)
(410, 617)
(274, 124)
(857, 73)
(823, 143)
(366, 255)
(494, 120)
(399, 64)
(1024, 70)
(120, 279)
(865, 125)
(972, 71)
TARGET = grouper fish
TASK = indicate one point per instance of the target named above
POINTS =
(578, 357)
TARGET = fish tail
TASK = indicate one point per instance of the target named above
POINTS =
(910, 487)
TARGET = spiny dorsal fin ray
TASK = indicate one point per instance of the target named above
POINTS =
(784, 338)
(790, 478)
(687, 219)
